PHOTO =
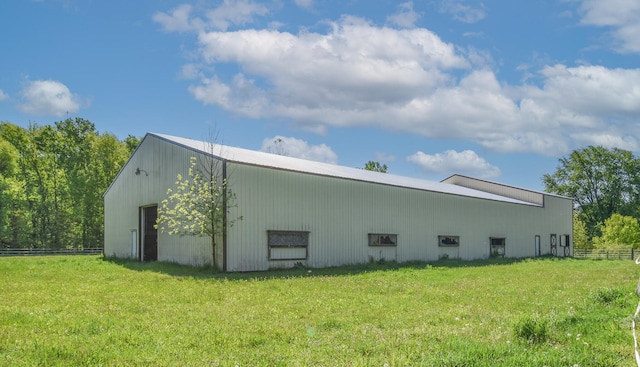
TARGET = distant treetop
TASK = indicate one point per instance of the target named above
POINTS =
(375, 166)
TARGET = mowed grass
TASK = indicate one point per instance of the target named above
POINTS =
(84, 310)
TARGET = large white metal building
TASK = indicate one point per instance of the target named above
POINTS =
(320, 215)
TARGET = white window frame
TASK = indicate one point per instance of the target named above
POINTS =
(288, 245)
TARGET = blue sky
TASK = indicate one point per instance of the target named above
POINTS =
(492, 89)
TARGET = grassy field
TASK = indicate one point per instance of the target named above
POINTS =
(83, 310)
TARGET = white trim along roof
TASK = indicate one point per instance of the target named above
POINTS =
(262, 159)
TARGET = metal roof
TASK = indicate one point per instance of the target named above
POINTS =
(262, 159)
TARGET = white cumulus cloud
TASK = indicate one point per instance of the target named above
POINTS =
(622, 16)
(612, 139)
(406, 17)
(179, 19)
(3, 95)
(596, 90)
(336, 78)
(48, 97)
(297, 148)
(449, 162)
(235, 12)
(356, 73)
(183, 18)
(585, 104)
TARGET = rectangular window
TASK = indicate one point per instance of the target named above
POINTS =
(448, 241)
(288, 245)
(497, 247)
(383, 239)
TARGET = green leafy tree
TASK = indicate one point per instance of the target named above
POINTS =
(619, 231)
(52, 198)
(580, 237)
(132, 143)
(199, 205)
(36, 173)
(13, 224)
(107, 156)
(9, 156)
(76, 139)
(56, 187)
(14, 216)
(601, 181)
(375, 166)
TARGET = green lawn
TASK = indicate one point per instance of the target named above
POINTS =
(83, 310)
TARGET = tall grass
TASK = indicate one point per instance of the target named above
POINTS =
(89, 311)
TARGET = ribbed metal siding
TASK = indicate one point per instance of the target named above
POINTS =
(340, 213)
(162, 162)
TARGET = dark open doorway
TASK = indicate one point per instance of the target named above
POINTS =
(149, 234)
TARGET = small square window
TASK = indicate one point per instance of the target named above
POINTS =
(448, 241)
(383, 239)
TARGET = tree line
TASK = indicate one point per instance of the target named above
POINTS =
(605, 186)
(52, 179)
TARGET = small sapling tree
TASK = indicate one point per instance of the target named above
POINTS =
(200, 203)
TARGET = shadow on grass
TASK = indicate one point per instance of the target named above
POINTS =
(208, 272)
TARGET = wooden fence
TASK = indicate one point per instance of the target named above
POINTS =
(619, 254)
(49, 251)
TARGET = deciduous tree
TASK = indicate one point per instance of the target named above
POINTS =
(619, 231)
(375, 166)
(601, 181)
(580, 237)
(53, 197)
(199, 205)
(12, 199)
(132, 143)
